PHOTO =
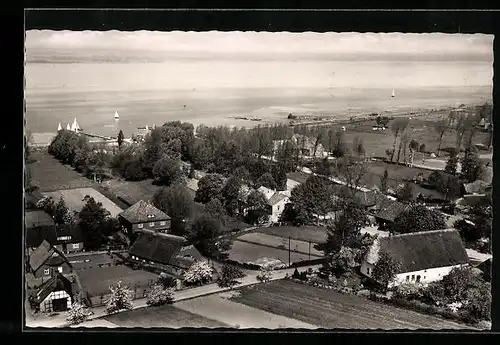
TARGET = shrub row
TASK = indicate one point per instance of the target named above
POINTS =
(425, 308)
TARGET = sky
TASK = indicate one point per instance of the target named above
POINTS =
(479, 46)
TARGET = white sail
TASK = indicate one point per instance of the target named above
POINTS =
(59, 127)
(68, 127)
(116, 115)
(75, 126)
(393, 94)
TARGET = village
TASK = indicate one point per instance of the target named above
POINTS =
(338, 225)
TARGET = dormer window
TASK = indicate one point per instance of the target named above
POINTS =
(151, 216)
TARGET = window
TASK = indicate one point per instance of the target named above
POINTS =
(64, 238)
(151, 224)
(368, 270)
(407, 278)
(163, 223)
(418, 279)
(412, 277)
(140, 226)
(46, 271)
(75, 245)
(60, 269)
(278, 207)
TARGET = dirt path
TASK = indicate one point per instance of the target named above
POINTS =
(238, 315)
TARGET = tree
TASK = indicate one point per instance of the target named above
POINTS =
(77, 314)
(404, 137)
(471, 165)
(343, 262)
(265, 274)
(166, 281)
(199, 273)
(384, 181)
(451, 164)
(47, 205)
(176, 201)
(61, 212)
(418, 218)
(91, 220)
(209, 187)
(257, 208)
(385, 269)
(352, 171)
(358, 146)
(166, 171)
(201, 154)
(216, 210)
(206, 233)
(397, 126)
(120, 138)
(119, 299)
(441, 127)
(406, 193)
(231, 195)
(479, 301)
(242, 174)
(340, 148)
(229, 276)
(446, 184)
(414, 145)
(312, 197)
(266, 180)
(158, 296)
(457, 282)
(279, 176)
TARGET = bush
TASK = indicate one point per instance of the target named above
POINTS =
(264, 275)
(166, 281)
(78, 314)
(409, 291)
(159, 296)
(119, 299)
(229, 276)
(199, 273)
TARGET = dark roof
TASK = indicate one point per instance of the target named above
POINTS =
(157, 247)
(191, 251)
(424, 250)
(485, 267)
(44, 253)
(53, 234)
(390, 209)
(142, 212)
(38, 218)
(57, 283)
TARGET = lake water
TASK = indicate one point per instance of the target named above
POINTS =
(212, 92)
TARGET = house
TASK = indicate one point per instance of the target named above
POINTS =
(142, 215)
(387, 211)
(476, 187)
(277, 204)
(55, 295)
(268, 192)
(40, 226)
(164, 251)
(46, 260)
(422, 256)
(307, 145)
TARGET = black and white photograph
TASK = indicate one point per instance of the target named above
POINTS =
(257, 180)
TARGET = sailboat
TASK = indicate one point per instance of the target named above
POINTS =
(75, 126)
(59, 127)
(393, 94)
(68, 127)
(116, 115)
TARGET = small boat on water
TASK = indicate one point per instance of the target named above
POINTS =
(393, 94)
(116, 115)
(75, 126)
(59, 127)
(68, 127)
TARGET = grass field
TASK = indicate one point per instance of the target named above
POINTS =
(249, 253)
(280, 243)
(313, 234)
(96, 281)
(165, 317)
(132, 191)
(74, 199)
(329, 309)
(48, 174)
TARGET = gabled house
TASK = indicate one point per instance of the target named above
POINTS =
(277, 204)
(485, 268)
(141, 216)
(165, 251)
(55, 295)
(422, 256)
(46, 261)
(40, 226)
(387, 211)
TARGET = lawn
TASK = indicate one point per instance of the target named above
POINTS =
(74, 199)
(165, 317)
(96, 281)
(48, 174)
(329, 309)
(244, 252)
(315, 234)
(132, 191)
(280, 243)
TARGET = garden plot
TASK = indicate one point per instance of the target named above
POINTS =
(280, 243)
(74, 199)
(315, 234)
(244, 252)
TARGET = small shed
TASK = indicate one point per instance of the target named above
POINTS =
(55, 295)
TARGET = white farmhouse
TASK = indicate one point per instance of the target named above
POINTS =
(423, 256)
(276, 201)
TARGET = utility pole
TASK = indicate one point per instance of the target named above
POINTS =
(309, 250)
(289, 258)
